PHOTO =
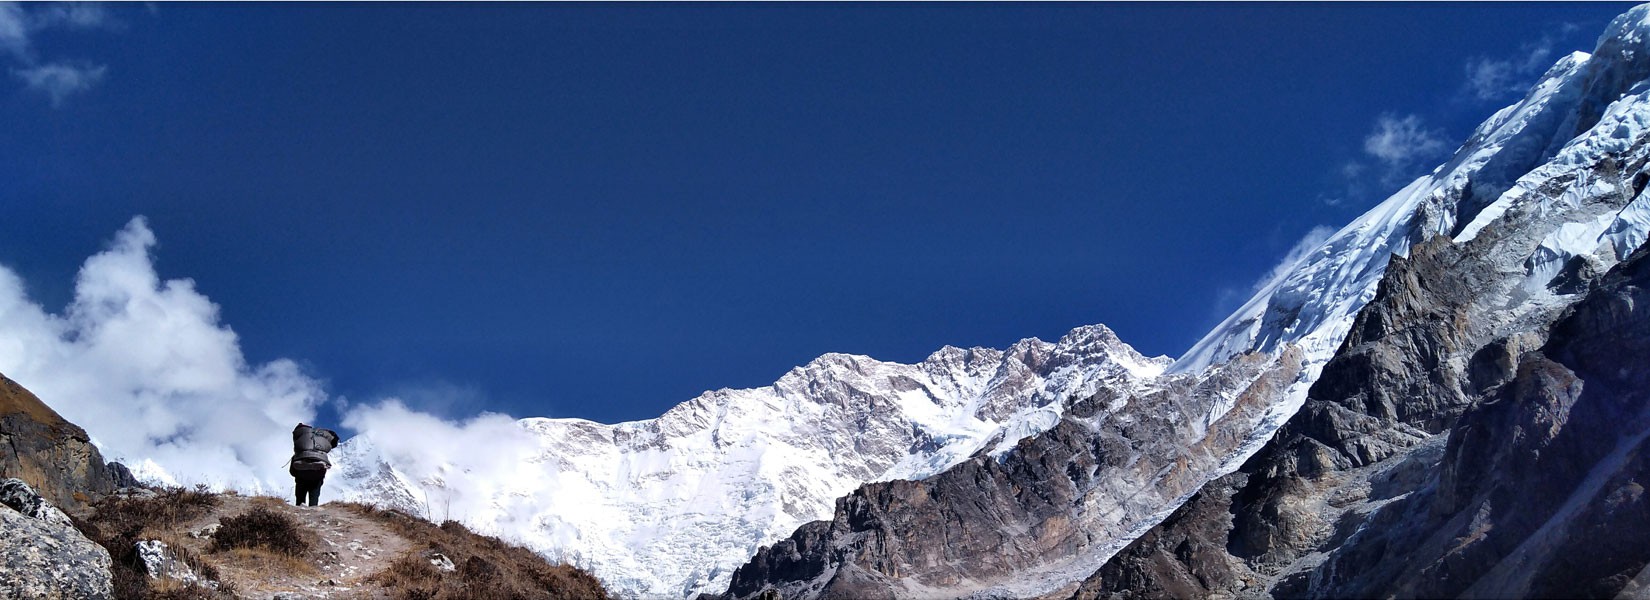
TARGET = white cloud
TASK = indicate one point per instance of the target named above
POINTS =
(61, 79)
(1231, 298)
(145, 366)
(1489, 79)
(1496, 78)
(56, 79)
(148, 369)
(466, 466)
(1303, 249)
(1400, 141)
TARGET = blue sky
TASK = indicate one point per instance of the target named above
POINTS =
(601, 210)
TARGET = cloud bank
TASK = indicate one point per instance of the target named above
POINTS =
(148, 370)
(482, 469)
(160, 383)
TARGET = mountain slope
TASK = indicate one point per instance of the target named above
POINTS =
(668, 506)
(1542, 197)
(1475, 435)
(54, 456)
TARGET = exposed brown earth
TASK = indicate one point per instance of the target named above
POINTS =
(263, 547)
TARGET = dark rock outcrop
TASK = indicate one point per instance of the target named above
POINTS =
(1056, 500)
(1481, 431)
(54, 456)
(42, 555)
(1534, 488)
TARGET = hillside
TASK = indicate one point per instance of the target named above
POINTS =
(183, 543)
(135, 542)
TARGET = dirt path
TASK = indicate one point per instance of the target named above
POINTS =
(346, 549)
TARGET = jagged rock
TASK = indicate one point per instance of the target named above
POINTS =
(206, 532)
(47, 557)
(440, 561)
(54, 456)
(159, 562)
(122, 476)
(22, 498)
(1049, 506)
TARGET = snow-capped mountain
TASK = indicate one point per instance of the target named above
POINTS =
(1543, 197)
(667, 507)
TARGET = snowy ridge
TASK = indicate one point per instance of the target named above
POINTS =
(1561, 173)
(668, 507)
(1313, 305)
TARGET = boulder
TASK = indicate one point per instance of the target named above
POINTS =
(42, 555)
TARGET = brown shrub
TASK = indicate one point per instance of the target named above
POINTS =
(118, 522)
(260, 527)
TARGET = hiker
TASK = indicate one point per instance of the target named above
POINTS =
(309, 460)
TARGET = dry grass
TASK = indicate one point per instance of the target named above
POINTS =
(118, 523)
(266, 538)
(261, 528)
(262, 560)
(487, 568)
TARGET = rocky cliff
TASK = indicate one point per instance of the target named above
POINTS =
(54, 456)
(1536, 489)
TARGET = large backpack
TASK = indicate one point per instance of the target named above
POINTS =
(310, 447)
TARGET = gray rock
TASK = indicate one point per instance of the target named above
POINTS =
(122, 476)
(440, 561)
(160, 562)
(1055, 504)
(206, 532)
(47, 557)
(22, 498)
(136, 492)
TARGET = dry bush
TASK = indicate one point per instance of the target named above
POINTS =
(487, 567)
(260, 527)
(118, 523)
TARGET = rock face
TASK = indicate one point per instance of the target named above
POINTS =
(43, 555)
(1482, 431)
(1536, 490)
(1403, 326)
(53, 455)
(997, 526)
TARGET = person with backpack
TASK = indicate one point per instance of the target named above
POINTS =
(309, 460)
